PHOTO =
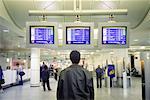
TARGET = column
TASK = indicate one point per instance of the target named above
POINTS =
(35, 67)
(121, 62)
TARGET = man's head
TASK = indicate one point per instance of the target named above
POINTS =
(98, 66)
(75, 57)
(17, 64)
(45, 67)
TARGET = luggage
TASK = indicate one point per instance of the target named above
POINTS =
(2, 81)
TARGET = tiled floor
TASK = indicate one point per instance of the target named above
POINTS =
(26, 92)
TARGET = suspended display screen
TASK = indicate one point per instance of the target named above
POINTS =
(41, 34)
(78, 35)
(114, 35)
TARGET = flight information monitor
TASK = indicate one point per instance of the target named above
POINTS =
(78, 35)
(41, 34)
(116, 35)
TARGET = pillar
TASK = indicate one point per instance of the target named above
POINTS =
(121, 62)
(35, 67)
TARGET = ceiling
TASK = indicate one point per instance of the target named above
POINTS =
(138, 16)
(18, 10)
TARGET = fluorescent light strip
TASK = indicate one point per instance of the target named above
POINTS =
(78, 12)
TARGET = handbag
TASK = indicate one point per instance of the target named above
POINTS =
(2, 81)
(21, 73)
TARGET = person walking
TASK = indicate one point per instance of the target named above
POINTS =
(99, 76)
(75, 82)
(1, 79)
(56, 74)
(45, 77)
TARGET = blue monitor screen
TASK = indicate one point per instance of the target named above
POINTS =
(114, 35)
(78, 35)
(42, 34)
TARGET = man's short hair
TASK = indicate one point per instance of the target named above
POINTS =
(17, 64)
(75, 57)
(45, 67)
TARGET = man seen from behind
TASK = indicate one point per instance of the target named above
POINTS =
(75, 82)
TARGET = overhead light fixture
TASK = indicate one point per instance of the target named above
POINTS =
(111, 21)
(142, 47)
(58, 53)
(92, 53)
(136, 40)
(24, 61)
(148, 56)
(7, 60)
(78, 12)
(18, 46)
(111, 53)
(5, 30)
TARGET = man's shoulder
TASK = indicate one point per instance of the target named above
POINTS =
(75, 68)
(64, 70)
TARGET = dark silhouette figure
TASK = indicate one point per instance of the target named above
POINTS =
(75, 82)
(56, 74)
(1, 77)
(99, 76)
(45, 77)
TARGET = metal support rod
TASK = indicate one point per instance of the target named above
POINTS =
(78, 12)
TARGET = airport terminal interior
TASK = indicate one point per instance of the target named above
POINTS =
(112, 34)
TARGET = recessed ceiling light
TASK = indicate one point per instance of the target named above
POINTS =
(18, 46)
(7, 60)
(92, 53)
(24, 61)
(142, 47)
(6, 30)
(148, 55)
(111, 53)
(136, 40)
(58, 53)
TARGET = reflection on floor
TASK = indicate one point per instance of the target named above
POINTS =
(26, 92)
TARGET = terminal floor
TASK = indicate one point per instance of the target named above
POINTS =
(26, 92)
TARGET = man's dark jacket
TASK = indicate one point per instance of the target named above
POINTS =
(75, 83)
(45, 75)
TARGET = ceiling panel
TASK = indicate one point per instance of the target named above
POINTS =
(18, 9)
(137, 9)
